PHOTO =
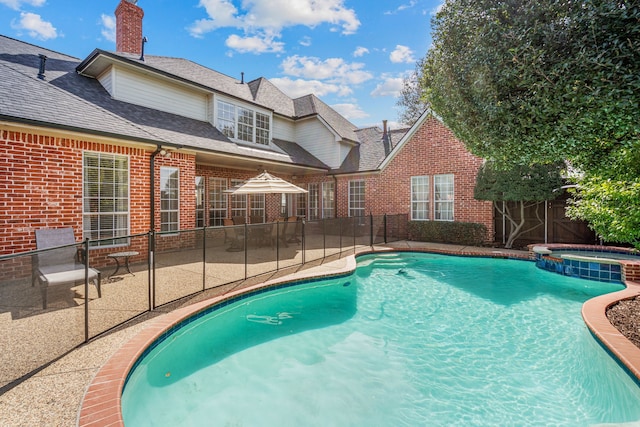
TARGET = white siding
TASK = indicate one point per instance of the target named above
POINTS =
(345, 149)
(283, 129)
(314, 137)
(158, 94)
(106, 81)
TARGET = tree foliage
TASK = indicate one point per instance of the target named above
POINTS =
(525, 82)
(411, 101)
(525, 185)
(537, 81)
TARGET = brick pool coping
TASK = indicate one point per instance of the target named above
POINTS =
(101, 405)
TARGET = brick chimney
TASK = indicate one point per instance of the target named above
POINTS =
(129, 27)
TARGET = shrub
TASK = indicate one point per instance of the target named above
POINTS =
(462, 233)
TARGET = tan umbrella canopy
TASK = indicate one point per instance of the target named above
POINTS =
(265, 183)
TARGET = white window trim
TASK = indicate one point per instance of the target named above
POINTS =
(363, 195)
(172, 169)
(250, 107)
(428, 199)
(128, 232)
(452, 201)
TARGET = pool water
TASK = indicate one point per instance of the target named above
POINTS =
(408, 340)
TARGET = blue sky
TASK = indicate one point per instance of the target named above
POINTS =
(353, 54)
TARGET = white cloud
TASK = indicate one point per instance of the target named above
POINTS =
(391, 86)
(402, 54)
(306, 41)
(17, 4)
(360, 51)
(402, 7)
(271, 16)
(300, 87)
(334, 70)
(254, 44)
(35, 26)
(350, 111)
(108, 27)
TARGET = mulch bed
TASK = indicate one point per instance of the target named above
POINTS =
(625, 316)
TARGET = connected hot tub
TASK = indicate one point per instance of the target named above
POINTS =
(601, 263)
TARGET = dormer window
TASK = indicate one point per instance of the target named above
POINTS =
(242, 123)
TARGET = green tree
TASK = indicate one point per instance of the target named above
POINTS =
(411, 102)
(524, 81)
(521, 185)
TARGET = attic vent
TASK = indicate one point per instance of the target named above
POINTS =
(43, 59)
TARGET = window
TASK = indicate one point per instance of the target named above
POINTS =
(285, 205)
(443, 197)
(420, 197)
(217, 201)
(257, 206)
(238, 201)
(243, 123)
(199, 202)
(262, 128)
(169, 199)
(105, 201)
(301, 205)
(313, 201)
(356, 198)
(328, 200)
(227, 119)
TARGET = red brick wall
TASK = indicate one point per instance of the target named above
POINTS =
(41, 186)
(432, 150)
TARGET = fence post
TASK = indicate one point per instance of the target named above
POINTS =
(353, 224)
(86, 289)
(324, 238)
(277, 245)
(245, 248)
(204, 257)
(340, 233)
(370, 229)
(384, 221)
(303, 241)
(152, 270)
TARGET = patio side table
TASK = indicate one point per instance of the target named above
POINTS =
(117, 256)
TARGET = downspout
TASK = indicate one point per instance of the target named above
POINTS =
(152, 170)
(335, 196)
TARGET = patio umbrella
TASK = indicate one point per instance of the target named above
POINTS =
(265, 183)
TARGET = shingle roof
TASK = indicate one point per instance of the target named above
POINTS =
(374, 147)
(68, 100)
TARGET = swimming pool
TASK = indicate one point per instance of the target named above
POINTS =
(408, 339)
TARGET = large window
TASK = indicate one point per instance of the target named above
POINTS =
(257, 207)
(328, 202)
(443, 197)
(217, 201)
(169, 199)
(105, 201)
(420, 197)
(301, 205)
(238, 201)
(313, 201)
(199, 201)
(356, 198)
(243, 123)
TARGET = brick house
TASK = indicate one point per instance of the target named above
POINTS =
(123, 142)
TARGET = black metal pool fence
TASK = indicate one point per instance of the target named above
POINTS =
(43, 323)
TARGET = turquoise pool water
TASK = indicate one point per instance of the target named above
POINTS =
(407, 340)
